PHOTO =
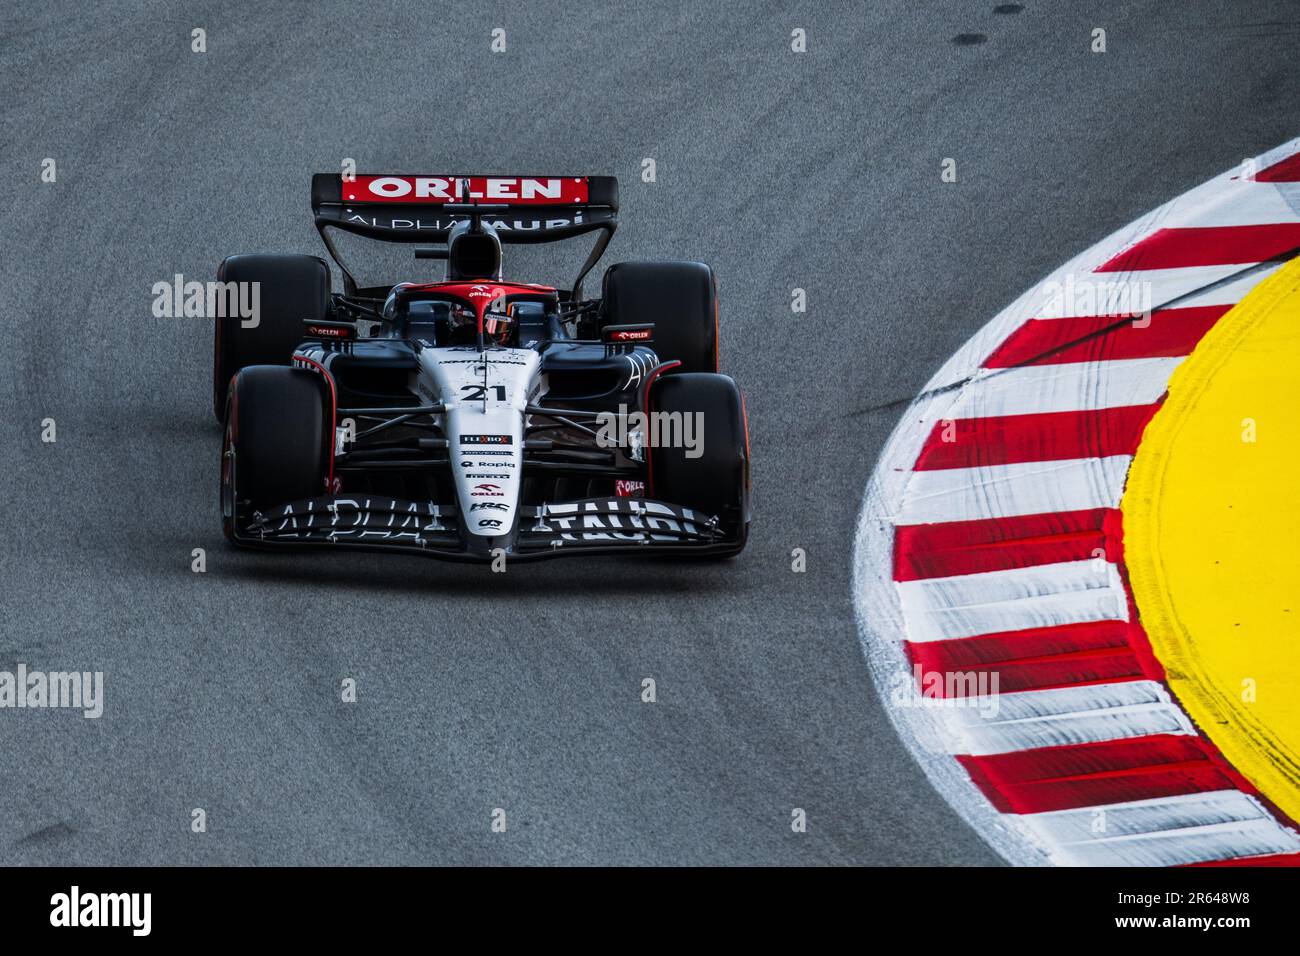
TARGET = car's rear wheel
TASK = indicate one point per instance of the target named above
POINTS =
(290, 289)
(275, 449)
(680, 298)
(713, 476)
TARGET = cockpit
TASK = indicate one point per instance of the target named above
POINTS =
(447, 314)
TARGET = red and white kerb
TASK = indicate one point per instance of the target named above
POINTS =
(991, 543)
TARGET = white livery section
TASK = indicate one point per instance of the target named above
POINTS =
(485, 394)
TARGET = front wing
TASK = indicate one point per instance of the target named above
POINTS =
(382, 523)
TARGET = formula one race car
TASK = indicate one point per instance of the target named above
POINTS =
(474, 417)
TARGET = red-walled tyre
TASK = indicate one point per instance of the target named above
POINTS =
(680, 298)
(275, 449)
(291, 289)
(716, 480)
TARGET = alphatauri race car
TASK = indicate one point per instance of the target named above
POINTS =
(473, 417)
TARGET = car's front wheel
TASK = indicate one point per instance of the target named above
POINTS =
(710, 472)
(276, 446)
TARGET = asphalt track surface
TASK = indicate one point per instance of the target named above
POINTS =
(521, 691)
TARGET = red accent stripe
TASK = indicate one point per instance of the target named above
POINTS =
(1272, 859)
(1137, 635)
(1093, 774)
(1286, 171)
(717, 350)
(1032, 642)
(1207, 246)
(1043, 436)
(1171, 333)
(1064, 670)
(1063, 656)
(334, 415)
(998, 544)
(645, 404)
(744, 415)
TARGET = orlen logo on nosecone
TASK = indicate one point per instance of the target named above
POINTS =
(517, 190)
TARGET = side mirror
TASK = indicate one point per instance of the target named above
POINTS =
(330, 331)
(628, 334)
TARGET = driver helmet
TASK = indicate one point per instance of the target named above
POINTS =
(498, 323)
(499, 326)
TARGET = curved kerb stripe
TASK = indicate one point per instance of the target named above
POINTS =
(990, 586)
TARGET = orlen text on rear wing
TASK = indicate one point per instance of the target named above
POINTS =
(408, 208)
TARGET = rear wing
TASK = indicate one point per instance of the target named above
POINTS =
(410, 208)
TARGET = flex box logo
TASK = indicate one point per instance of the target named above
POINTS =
(486, 440)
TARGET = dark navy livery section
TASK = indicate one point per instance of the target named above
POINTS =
(477, 416)
(578, 371)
